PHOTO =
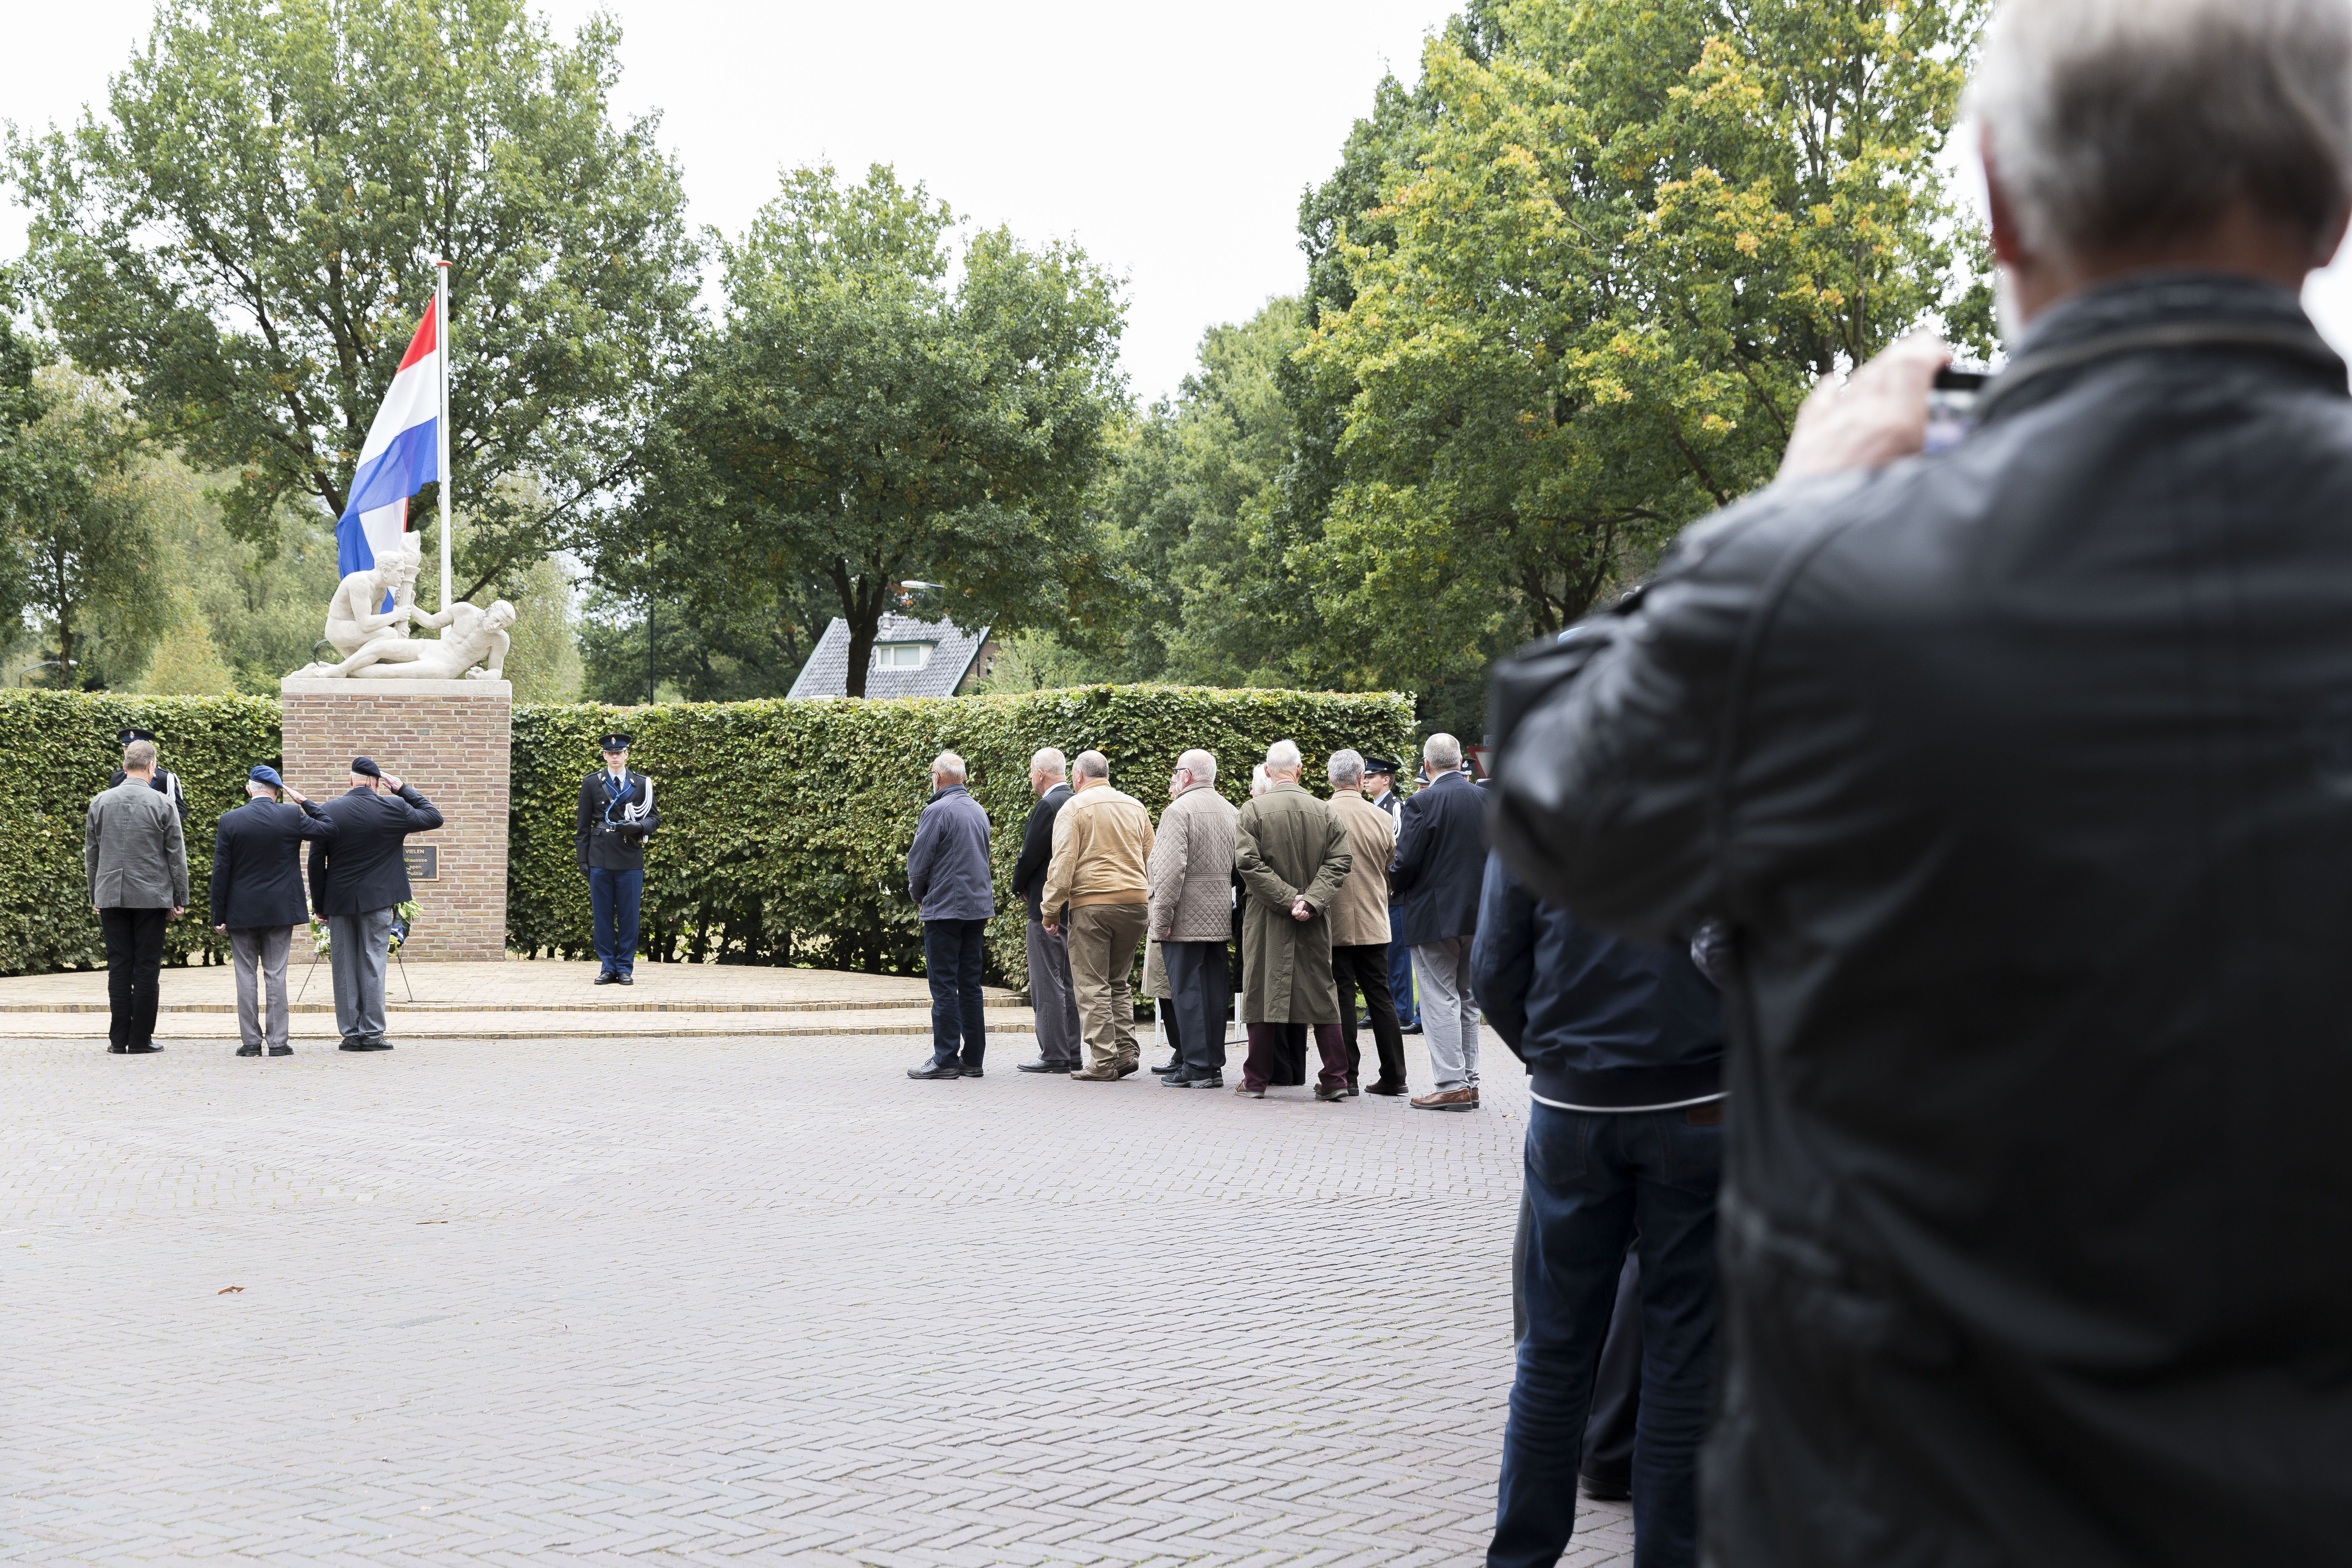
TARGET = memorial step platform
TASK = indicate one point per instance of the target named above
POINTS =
(518, 998)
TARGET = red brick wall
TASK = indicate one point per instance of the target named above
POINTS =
(450, 740)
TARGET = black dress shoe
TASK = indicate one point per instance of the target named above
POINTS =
(626, 979)
(1604, 1491)
(149, 1049)
(365, 1046)
(281, 1050)
(249, 1050)
(1172, 1064)
(1177, 1081)
(1409, 1029)
(117, 1050)
(971, 1072)
(604, 978)
(1064, 1069)
(932, 1071)
(1388, 1088)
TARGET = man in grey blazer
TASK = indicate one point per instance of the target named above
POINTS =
(137, 866)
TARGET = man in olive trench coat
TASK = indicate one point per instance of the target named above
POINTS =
(1292, 851)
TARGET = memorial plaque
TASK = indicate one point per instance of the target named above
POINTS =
(424, 862)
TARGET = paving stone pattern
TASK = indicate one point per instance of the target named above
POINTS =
(763, 1300)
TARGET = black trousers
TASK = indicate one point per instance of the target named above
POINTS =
(1366, 967)
(1197, 1012)
(134, 958)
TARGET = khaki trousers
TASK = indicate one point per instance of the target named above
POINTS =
(1102, 940)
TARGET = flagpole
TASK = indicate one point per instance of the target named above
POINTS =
(441, 324)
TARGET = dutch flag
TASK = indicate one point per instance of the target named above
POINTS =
(402, 455)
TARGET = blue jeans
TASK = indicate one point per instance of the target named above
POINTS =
(952, 951)
(612, 896)
(1597, 1185)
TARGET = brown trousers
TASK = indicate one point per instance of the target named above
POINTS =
(1102, 943)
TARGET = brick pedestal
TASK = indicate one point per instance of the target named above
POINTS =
(450, 740)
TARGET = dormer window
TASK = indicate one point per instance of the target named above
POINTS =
(902, 655)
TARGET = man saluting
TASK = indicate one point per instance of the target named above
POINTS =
(358, 877)
(616, 816)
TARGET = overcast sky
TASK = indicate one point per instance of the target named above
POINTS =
(1170, 142)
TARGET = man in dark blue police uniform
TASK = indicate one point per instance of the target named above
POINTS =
(165, 783)
(1380, 788)
(616, 816)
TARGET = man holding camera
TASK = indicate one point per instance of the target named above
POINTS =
(2022, 773)
(616, 817)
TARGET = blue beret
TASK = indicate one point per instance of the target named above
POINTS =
(262, 773)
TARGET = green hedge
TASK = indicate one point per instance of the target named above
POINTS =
(786, 825)
(57, 750)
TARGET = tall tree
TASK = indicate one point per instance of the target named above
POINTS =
(859, 422)
(246, 236)
(84, 529)
(1595, 285)
(1190, 506)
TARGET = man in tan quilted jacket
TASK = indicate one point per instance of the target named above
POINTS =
(1102, 846)
(1191, 901)
(1360, 924)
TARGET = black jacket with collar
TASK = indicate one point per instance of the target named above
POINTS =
(1602, 1023)
(257, 877)
(1037, 848)
(1440, 862)
(362, 867)
(2022, 775)
(610, 831)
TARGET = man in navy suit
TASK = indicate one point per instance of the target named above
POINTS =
(256, 897)
(356, 879)
(1433, 889)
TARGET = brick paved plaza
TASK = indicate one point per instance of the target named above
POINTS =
(749, 1300)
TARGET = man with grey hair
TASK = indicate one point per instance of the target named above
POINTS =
(1441, 862)
(1191, 894)
(1360, 926)
(1293, 857)
(136, 864)
(2019, 772)
(1051, 998)
(948, 877)
(1100, 870)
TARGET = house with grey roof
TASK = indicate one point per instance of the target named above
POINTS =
(911, 658)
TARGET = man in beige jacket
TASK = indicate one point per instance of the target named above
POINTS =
(1360, 924)
(1102, 846)
(1192, 886)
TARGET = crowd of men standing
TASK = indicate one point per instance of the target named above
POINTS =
(1292, 903)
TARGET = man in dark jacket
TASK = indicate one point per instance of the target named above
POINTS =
(163, 782)
(1623, 1044)
(2023, 773)
(1380, 788)
(948, 877)
(256, 897)
(615, 818)
(1441, 855)
(1051, 997)
(357, 876)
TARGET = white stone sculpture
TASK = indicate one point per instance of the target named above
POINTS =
(375, 644)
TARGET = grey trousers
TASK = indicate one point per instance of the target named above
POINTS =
(1449, 1014)
(1055, 1003)
(261, 948)
(356, 949)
